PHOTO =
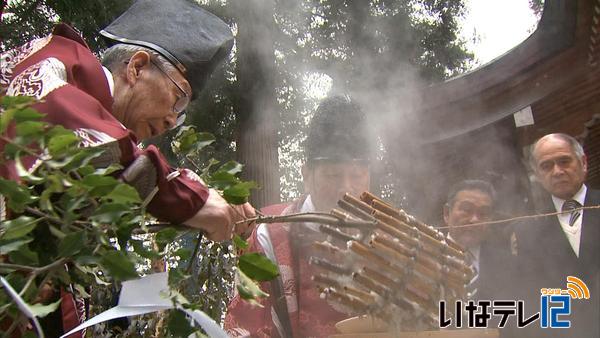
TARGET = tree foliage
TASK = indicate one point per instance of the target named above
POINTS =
(68, 212)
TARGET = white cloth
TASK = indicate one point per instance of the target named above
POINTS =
(573, 232)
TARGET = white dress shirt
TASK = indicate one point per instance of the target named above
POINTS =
(573, 232)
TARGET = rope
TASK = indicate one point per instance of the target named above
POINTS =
(507, 220)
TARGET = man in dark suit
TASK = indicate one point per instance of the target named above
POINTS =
(551, 248)
(469, 202)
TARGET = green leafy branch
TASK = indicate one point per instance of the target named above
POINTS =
(74, 224)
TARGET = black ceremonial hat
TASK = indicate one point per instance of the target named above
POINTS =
(193, 39)
(337, 132)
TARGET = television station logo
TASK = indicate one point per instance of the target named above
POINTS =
(550, 313)
(555, 307)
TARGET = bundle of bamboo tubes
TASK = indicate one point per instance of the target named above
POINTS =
(398, 270)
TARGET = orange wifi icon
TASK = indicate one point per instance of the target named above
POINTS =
(577, 288)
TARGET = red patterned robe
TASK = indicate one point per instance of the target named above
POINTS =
(309, 314)
(61, 70)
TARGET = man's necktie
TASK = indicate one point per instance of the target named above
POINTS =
(570, 205)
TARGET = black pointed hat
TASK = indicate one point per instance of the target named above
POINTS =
(190, 37)
(338, 132)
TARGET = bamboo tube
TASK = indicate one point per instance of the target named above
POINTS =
(356, 210)
(324, 264)
(435, 270)
(352, 302)
(368, 283)
(435, 252)
(361, 279)
(335, 233)
(328, 248)
(371, 257)
(326, 281)
(409, 296)
(440, 261)
(426, 240)
(401, 215)
(411, 281)
(437, 276)
(362, 295)
(430, 244)
(352, 221)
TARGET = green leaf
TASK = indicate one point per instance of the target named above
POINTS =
(123, 193)
(30, 128)
(222, 180)
(231, 167)
(12, 245)
(18, 227)
(17, 195)
(17, 102)
(40, 310)
(258, 267)
(108, 170)
(82, 158)
(118, 265)
(240, 243)
(86, 170)
(188, 140)
(179, 325)
(110, 213)
(100, 185)
(176, 276)
(183, 253)
(184, 139)
(56, 232)
(72, 244)
(248, 289)
(24, 256)
(239, 193)
(28, 115)
(5, 119)
(59, 144)
(140, 249)
(165, 236)
(203, 140)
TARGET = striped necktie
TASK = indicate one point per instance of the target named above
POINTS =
(570, 205)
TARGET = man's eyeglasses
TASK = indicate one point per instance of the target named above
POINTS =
(182, 101)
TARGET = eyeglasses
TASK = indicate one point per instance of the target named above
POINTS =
(182, 101)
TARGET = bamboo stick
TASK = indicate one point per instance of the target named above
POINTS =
(401, 215)
(421, 263)
(409, 295)
(427, 259)
(426, 240)
(326, 265)
(371, 257)
(335, 233)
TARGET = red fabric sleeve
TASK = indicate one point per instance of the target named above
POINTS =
(83, 104)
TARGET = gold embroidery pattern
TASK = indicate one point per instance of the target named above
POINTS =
(13, 57)
(40, 79)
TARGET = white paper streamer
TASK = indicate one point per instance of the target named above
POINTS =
(143, 296)
(22, 306)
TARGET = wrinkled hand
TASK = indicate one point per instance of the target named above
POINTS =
(218, 218)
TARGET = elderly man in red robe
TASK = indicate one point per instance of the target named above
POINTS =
(163, 53)
(337, 162)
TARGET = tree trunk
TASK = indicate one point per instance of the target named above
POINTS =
(257, 109)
